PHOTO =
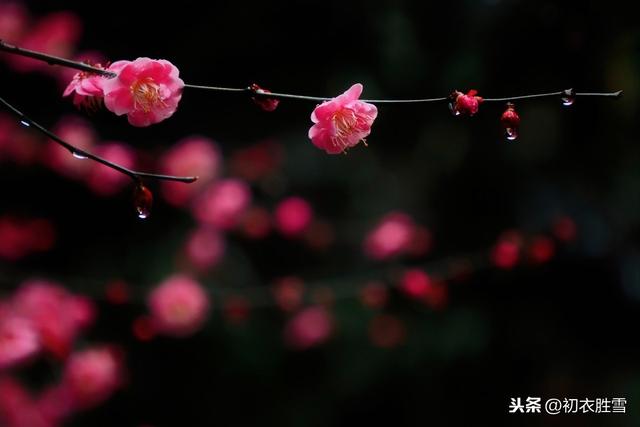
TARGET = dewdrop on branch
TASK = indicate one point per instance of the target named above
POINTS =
(142, 201)
(511, 122)
(568, 97)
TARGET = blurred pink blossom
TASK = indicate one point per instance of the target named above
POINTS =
(20, 237)
(179, 306)
(256, 223)
(56, 314)
(92, 376)
(342, 122)
(417, 284)
(293, 216)
(192, 156)
(18, 340)
(223, 203)
(308, 328)
(14, 20)
(18, 408)
(288, 292)
(55, 34)
(78, 132)
(146, 90)
(205, 247)
(506, 252)
(106, 181)
(257, 161)
(392, 236)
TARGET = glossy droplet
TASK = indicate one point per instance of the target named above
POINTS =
(78, 155)
(511, 133)
(142, 200)
(25, 123)
(568, 97)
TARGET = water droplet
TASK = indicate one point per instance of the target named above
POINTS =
(142, 200)
(79, 155)
(25, 123)
(511, 133)
(568, 97)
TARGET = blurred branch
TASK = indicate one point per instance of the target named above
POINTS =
(83, 154)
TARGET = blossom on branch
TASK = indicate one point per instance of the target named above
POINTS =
(342, 122)
(465, 104)
(86, 88)
(146, 90)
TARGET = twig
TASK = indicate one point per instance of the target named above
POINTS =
(83, 154)
(55, 60)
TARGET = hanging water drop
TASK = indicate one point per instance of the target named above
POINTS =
(568, 97)
(79, 155)
(142, 200)
(25, 123)
(511, 133)
(510, 121)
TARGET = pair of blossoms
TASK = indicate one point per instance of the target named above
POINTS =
(148, 91)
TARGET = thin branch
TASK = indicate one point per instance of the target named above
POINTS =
(53, 60)
(83, 154)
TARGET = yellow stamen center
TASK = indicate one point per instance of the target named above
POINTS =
(146, 94)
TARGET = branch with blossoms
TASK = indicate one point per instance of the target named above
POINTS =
(148, 91)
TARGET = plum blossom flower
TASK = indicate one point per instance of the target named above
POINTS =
(86, 88)
(342, 122)
(179, 306)
(146, 90)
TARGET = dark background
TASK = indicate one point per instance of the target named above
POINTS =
(565, 329)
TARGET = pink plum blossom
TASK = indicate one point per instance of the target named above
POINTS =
(92, 376)
(223, 204)
(392, 236)
(293, 216)
(146, 90)
(308, 328)
(179, 306)
(192, 156)
(105, 181)
(86, 88)
(342, 122)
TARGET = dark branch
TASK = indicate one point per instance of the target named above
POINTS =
(77, 152)
(53, 60)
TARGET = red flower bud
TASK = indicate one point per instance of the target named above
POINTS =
(267, 104)
(468, 104)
